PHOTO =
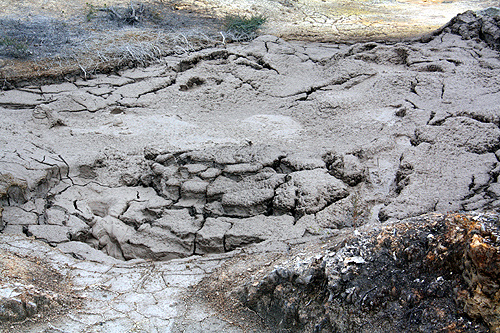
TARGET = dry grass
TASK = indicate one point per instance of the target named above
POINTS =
(107, 39)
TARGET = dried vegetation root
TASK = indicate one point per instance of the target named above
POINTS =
(427, 274)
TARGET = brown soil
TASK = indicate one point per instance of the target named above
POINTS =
(37, 282)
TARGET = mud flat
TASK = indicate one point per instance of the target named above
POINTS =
(291, 163)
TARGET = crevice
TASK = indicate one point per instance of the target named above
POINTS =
(412, 104)
(413, 86)
(191, 62)
(432, 115)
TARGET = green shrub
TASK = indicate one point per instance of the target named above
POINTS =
(243, 28)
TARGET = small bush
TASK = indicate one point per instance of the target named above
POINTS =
(14, 48)
(243, 28)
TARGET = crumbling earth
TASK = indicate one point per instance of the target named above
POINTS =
(142, 182)
(434, 273)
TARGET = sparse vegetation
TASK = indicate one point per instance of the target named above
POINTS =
(242, 27)
(13, 48)
(91, 12)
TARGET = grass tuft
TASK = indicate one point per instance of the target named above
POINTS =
(243, 28)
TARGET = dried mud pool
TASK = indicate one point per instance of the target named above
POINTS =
(130, 186)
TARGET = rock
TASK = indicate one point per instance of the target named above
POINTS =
(171, 236)
(180, 222)
(96, 200)
(12, 310)
(195, 168)
(16, 215)
(156, 243)
(193, 193)
(13, 229)
(112, 235)
(436, 178)
(260, 228)
(315, 189)
(52, 234)
(65, 103)
(134, 90)
(297, 161)
(170, 188)
(210, 238)
(29, 173)
(165, 159)
(256, 154)
(470, 25)
(285, 199)
(146, 210)
(210, 173)
(220, 186)
(58, 88)
(494, 189)
(75, 102)
(247, 202)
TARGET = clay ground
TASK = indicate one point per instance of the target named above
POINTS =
(395, 129)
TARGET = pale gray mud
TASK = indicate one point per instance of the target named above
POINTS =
(139, 184)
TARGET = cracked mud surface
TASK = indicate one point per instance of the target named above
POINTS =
(137, 185)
